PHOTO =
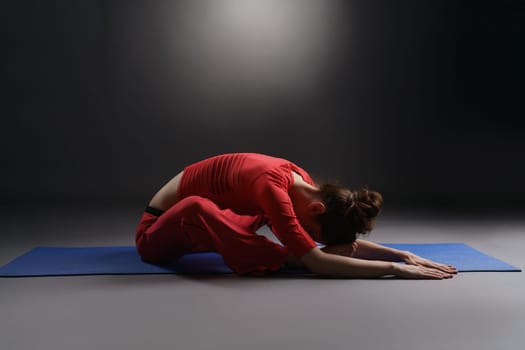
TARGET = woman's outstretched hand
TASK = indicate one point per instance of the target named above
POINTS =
(418, 267)
(420, 272)
(415, 260)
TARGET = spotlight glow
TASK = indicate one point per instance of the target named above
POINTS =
(236, 50)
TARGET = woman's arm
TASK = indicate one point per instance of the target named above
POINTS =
(331, 265)
(367, 250)
(373, 251)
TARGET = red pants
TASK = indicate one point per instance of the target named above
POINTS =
(196, 224)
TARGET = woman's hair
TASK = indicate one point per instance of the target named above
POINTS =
(348, 213)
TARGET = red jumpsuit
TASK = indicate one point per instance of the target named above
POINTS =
(222, 201)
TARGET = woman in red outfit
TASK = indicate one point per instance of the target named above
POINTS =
(218, 204)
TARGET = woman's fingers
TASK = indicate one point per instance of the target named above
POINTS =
(419, 261)
(442, 274)
(437, 273)
(446, 268)
(433, 273)
(438, 266)
(418, 271)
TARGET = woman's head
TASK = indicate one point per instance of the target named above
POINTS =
(347, 213)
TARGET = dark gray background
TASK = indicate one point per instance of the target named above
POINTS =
(105, 100)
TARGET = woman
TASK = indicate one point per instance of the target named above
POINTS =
(217, 204)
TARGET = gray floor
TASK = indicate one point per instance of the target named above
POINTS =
(472, 311)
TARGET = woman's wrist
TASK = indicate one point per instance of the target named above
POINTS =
(403, 255)
(394, 268)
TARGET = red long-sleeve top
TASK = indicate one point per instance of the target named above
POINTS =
(251, 184)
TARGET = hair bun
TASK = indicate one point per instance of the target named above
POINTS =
(363, 207)
(348, 213)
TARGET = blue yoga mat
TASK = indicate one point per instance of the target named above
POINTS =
(61, 261)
